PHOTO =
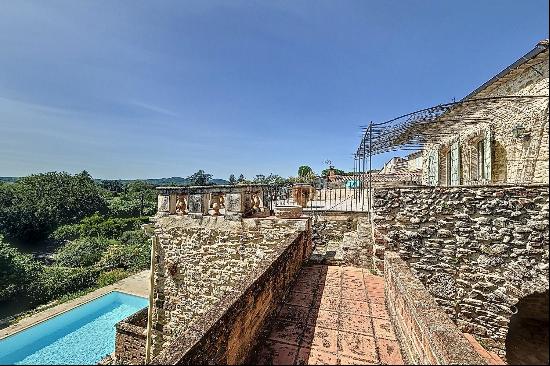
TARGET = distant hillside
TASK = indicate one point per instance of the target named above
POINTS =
(8, 179)
(177, 181)
(173, 181)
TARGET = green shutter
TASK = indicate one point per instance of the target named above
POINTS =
(455, 164)
(433, 168)
(487, 156)
(480, 161)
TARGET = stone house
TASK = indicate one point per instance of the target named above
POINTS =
(506, 138)
(414, 161)
(394, 165)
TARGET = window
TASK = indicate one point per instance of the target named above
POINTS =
(433, 168)
(484, 158)
(455, 164)
(480, 160)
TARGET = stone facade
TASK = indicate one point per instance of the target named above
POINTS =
(478, 250)
(200, 261)
(513, 158)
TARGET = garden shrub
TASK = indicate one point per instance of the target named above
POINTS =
(18, 271)
(131, 257)
(98, 226)
(112, 228)
(110, 277)
(66, 232)
(135, 237)
(82, 252)
(58, 281)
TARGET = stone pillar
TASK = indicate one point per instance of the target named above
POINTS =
(233, 205)
(197, 204)
(163, 204)
(172, 203)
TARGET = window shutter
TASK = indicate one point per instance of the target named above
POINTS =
(433, 168)
(455, 164)
(487, 156)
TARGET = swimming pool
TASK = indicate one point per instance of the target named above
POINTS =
(80, 336)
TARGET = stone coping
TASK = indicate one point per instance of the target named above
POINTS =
(225, 188)
(190, 336)
(137, 284)
(489, 186)
(424, 329)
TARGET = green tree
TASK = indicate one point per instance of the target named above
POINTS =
(232, 179)
(114, 186)
(304, 171)
(34, 206)
(199, 178)
(241, 179)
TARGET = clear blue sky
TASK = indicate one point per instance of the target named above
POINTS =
(136, 89)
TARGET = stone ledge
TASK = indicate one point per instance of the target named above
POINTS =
(426, 333)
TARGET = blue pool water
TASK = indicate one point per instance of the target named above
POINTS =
(81, 336)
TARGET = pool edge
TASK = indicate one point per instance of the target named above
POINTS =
(16, 328)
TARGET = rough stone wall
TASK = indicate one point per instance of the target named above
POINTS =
(227, 332)
(131, 339)
(426, 334)
(513, 160)
(199, 262)
(342, 239)
(478, 250)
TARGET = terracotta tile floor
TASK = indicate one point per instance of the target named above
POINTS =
(332, 315)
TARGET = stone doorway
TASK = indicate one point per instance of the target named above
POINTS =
(527, 340)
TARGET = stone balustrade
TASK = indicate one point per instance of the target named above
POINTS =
(232, 201)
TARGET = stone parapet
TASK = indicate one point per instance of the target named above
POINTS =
(226, 332)
(200, 262)
(130, 339)
(427, 335)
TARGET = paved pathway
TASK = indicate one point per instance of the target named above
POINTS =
(331, 315)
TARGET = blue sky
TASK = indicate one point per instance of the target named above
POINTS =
(136, 89)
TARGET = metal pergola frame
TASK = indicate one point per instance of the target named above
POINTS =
(412, 131)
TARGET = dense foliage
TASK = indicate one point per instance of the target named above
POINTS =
(34, 206)
(82, 252)
(304, 171)
(96, 227)
(136, 199)
(18, 272)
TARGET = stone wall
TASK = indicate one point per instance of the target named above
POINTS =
(131, 338)
(478, 250)
(514, 160)
(226, 333)
(342, 238)
(200, 261)
(426, 334)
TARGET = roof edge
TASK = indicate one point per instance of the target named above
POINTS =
(539, 48)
